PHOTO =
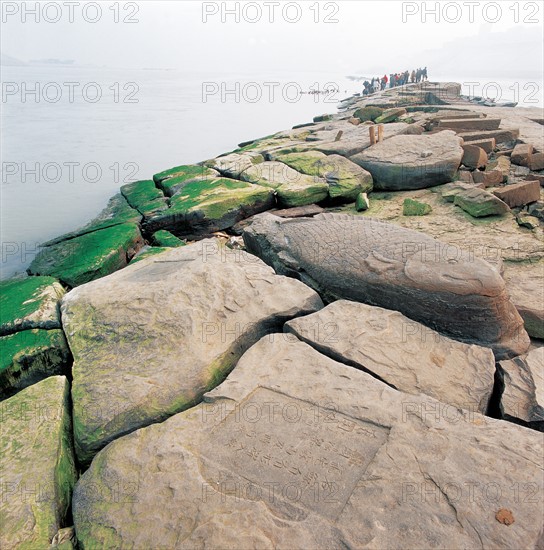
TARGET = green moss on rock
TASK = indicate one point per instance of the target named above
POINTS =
(166, 239)
(144, 196)
(411, 207)
(368, 113)
(172, 181)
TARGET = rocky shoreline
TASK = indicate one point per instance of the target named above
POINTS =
(330, 337)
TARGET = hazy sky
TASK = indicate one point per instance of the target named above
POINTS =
(360, 35)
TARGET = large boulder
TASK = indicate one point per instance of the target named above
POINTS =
(203, 206)
(295, 450)
(233, 164)
(173, 180)
(144, 196)
(28, 303)
(522, 399)
(364, 260)
(29, 356)
(411, 161)
(345, 178)
(149, 340)
(292, 188)
(90, 255)
(37, 471)
(519, 194)
(402, 353)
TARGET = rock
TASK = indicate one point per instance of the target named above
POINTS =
(38, 470)
(489, 178)
(529, 222)
(205, 206)
(390, 115)
(361, 259)
(164, 238)
(148, 341)
(299, 211)
(500, 136)
(398, 163)
(404, 354)
(233, 164)
(451, 190)
(345, 178)
(27, 303)
(536, 209)
(536, 161)
(474, 157)
(524, 284)
(89, 256)
(362, 203)
(502, 164)
(173, 180)
(465, 176)
(479, 203)
(322, 118)
(144, 196)
(117, 212)
(65, 539)
(523, 395)
(30, 356)
(149, 251)
(521, 152)
(519, 194)
(354, 121)
(292, 187)
(309, 453)
(414, 130)
(470, 124)
(412, 207)
(368, 113)
(488, 145)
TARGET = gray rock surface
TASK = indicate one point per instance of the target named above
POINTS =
(150, 340)
(403, 353)
(360, 259)
(295, 450)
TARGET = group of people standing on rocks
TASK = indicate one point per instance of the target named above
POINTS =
(394, 79)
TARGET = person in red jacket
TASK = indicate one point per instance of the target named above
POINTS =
(384, 82)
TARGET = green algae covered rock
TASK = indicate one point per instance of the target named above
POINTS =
(480, 203)
(38, 471)
(166, 239)
(144, 196)
(362, 203)
(345, 178)
(411, 207)
(368, 113)
(29, 303)
(390, 115)
(89, 256)
(206, 206)
(149, 251)
(117, 211)
(29, 356)
(173, 180)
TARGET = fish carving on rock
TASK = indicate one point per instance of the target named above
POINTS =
(377, 263)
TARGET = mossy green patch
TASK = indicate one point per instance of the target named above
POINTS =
(411, 207)
(174, 182)
(368, 113)
(166, 239)
(187, 171)
(29, 356)
(151, 251)
(144, 196)
(88, 256)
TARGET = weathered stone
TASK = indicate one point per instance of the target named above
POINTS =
(537, 177)
(368, 113)
(144, 196)
(148, 251)
(166, 239)
(412, 207)
(414, 130)
(479, 203)
(148, 341)
(403, 353)
(322, 118)
(465, 176)
(470, 124)
(450, 190)
(30, 356)
(529, 222)
(524, 284)
(536, 161)
(500, 136)
(488, 145)
(38, 470)
(27, 303)
(488, 178)
(503, 165)
(377, 263)
(474, 157)
(536, 209)
(362, 203)
(233, 164)
(412, 162)
(309, 453)
(292, 188)
(519, 194)
(390, 115)
(173, 180)
(205, 206)
(89, 256)
(523, 395)
(354, 121)
(521, 152)
(299, 211)
(345, 178)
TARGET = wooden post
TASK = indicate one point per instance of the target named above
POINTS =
(338, 135)
(372, 135)
(380, 132)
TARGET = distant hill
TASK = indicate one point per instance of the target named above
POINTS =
(8, 61)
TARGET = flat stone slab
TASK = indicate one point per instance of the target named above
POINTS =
(28, 303)
(29, 356)
(480, 203)
(470, 124)
(368, 261)
(523, 395)
(37, 471)
(144, 196)
(295, 450)
(500, 136)
(149, 340)
(403, 353)
(233, 164)
(412, 162)
(519, 194)
(89, 256)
